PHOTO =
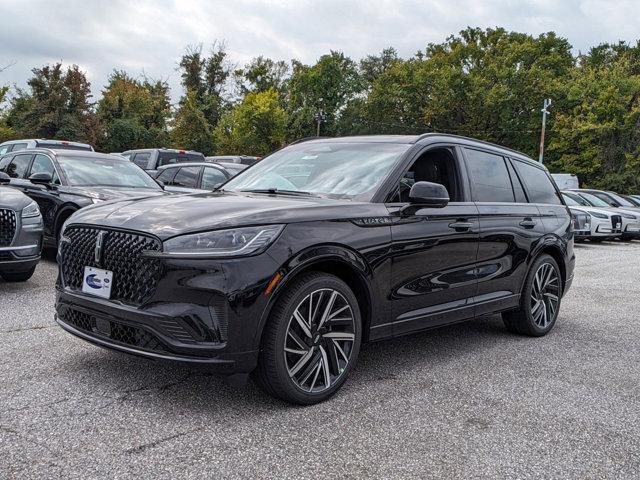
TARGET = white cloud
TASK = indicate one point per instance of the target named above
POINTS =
(149, 36)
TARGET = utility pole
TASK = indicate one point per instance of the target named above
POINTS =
(320, 117)
(545, 112)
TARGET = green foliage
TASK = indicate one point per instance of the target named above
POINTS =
(191, 130)
(262, 74)
(257, 126)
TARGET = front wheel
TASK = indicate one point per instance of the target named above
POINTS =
(311, 341)
(540, 302)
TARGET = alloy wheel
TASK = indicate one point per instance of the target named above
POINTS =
(545, 295)
(319, 340)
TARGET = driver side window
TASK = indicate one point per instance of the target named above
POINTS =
(437, 166)
(43, 164)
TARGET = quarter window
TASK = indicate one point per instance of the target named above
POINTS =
(4, 149)
(490, 177)
(187, 177)
(18, 167)
(538, 183)
(19, 146)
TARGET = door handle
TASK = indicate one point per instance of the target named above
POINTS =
(527, 223)
(461, 226)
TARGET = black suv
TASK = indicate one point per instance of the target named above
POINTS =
(150, 159)
(286, 277)
(63, 181)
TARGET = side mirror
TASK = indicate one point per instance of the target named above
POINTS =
(428, 194)
(41, 178)
(4, 178)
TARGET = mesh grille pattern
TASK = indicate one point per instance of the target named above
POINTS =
(7, 226)
(118, 332)
(135, 277)
(616, 221)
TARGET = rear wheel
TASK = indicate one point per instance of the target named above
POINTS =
(311, 341)
(540, 302)
(18, 276)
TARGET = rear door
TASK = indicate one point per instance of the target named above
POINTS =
(509, 225)
(434, 250)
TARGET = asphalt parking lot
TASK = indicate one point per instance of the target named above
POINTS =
(465, 401)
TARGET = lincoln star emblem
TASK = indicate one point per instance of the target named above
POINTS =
(97, 252)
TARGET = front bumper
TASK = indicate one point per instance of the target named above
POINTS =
(202, 311)
(24, 252)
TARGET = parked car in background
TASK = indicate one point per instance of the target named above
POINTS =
(611, 198)
(15, 145)
(150, 159)
(581, 224)
(637, 197)
(386, 236)
(631, 199)
(630, 217)
(63, 181)
(20, 233)
(604, 224)
(241, 159)
(566, 181)
(192, 177)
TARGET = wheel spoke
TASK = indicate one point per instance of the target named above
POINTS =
(315, 377)
(340, 336)
(332, 354)
(340, 351)
(296, 338)
(327, 308)
(310, 368)
(325, 367)
(302, 362)
(302, 323)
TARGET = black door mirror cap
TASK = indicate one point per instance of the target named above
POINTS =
(428, 195)
(4, 178)
(41, 178)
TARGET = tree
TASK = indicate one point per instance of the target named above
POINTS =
(140, 106)
(262, 74)
(56, 105)
(257, 126)
(191, 130)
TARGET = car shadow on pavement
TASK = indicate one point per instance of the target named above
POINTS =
(195, 389)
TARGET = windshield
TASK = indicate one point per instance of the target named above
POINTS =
(572, 201)
(340, 170)
(89, 171)
(593, 200)
(620, 200)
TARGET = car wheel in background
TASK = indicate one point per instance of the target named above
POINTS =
(540, 302)
(311, 341)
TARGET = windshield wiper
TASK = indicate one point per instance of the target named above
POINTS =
(277, 191)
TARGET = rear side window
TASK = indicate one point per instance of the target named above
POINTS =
(538, 184)
(4, 162)
(18, 166)
(490, 177)
(187, 177)
(166, 176)
(167, 158)
(518, 190)
(142, 160)
(4, 149)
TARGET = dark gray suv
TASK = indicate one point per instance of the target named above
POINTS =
(20, 233)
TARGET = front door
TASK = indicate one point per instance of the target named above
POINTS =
(434, 249)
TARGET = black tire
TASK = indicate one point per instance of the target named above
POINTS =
(597, 239)
(273, 373)
(525, 320)
(18, 276)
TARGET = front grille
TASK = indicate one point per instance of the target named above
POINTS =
(118, 332)
(135, 278)
(616, 222)
(7, 226)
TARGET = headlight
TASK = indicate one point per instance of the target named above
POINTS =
(31, 210)
(598, 215)
(628, 216)
(224, 243)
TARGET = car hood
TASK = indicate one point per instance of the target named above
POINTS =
(171, 215)
(13, 199)
(111, 193)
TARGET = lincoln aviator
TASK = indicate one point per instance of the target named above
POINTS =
(288, 268)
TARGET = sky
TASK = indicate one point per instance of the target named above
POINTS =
(148, 37)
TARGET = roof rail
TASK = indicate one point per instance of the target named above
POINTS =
(431, 134)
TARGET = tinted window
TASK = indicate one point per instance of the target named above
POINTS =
(167, 158)
(573, 199)
(622, 201)
(593, 200)
(18, 146)
(212, 178)
(4, 162)
(4, 149)
(166, 175)
(539, 186)
(518, 190)
(18, 167)
(108, 172)
(43, 164)
(142, 159)
(187, 177)
(490, 177)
